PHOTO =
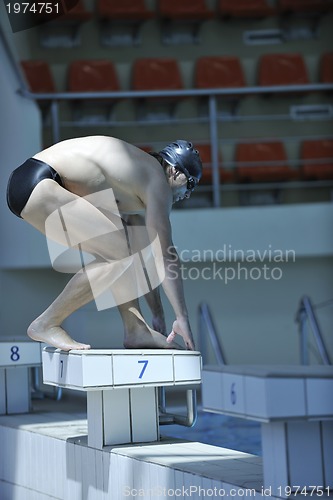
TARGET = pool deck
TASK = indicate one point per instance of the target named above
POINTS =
(45, 456)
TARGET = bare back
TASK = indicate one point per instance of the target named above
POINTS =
(90, 164)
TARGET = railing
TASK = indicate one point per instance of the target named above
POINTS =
(206, 323)
(212, 119)
(167, 418)
(305, 315)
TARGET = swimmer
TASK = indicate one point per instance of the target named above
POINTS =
(67, 178)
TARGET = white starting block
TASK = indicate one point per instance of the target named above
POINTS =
(121, 385)
(295, 406)
(16, 359)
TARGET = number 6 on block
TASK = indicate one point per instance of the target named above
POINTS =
(145, 363)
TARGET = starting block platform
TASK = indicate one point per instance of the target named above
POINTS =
(16, 359)
(295, 407)
(121, 386)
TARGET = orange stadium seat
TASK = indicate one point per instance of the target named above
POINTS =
(92, 76)
(219, 72)
(290, 6)
(156, 74)
(282, 69)
(39, 77)
(326, 68)
(187, 10)
(123, 10)
(262, 162)
(40, 81)
(207, 171)
(245, 8)
(317, 156)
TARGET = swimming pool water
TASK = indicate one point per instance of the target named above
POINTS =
(220, 430)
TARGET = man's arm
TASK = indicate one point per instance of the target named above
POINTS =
(153, 297)
(158, 207)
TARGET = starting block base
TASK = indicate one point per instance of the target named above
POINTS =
(16, 359)
(295, 407)
(121, 386)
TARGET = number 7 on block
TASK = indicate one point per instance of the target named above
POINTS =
(145, 363)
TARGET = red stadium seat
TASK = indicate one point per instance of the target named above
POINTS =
(326, 68)
(292, 6)
(156, 74)
(262, 162)
(39, 77)
(282, 69)
(187, 10)
(123, 10)
(317, 156)
(207, 172)
(245, 8)
(219, 72)
(40, 81)
(92, 76)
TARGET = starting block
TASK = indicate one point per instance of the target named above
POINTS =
(295, 407)
(16, 359)
(121, 386)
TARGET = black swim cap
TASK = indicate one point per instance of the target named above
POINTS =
(180, 154)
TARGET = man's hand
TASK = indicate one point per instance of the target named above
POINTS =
(182, 327)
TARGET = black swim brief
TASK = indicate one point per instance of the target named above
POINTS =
(23, 181)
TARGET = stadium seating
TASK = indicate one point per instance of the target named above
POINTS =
(294, 6)
(188, 10)
(39, 77)
(245, 9)
(225, 175)
(40, 81)
(317, 159)
(93, 76)
(219, 72)
(262, 162)
(156, 74)
(282, 69)
(125, 10)
(326, 68)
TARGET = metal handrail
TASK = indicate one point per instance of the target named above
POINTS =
(211, 94)
(206, 320)
(167, 418)
(306, 313)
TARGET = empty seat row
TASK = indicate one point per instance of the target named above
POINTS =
(165, 74)
(195, 9)
(268, 162)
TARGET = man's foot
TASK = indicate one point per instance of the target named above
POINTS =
(148, 339)
(141, 336)
(54, 336)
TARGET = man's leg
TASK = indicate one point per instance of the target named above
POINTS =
(48, 198)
